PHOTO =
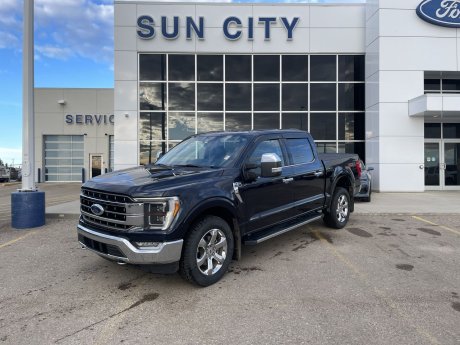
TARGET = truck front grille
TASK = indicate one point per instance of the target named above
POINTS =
(116, 212)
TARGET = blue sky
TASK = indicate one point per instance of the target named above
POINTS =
(73, 48)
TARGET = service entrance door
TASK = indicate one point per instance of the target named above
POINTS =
(442, 165)
(95, 165)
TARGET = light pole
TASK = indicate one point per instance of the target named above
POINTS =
(28, 204)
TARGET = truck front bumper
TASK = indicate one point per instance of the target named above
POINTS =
(123, 251)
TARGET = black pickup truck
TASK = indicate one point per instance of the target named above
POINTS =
(199, 203)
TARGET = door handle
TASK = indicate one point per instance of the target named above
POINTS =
(288, 180)
(318, 173)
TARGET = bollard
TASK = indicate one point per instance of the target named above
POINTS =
(27, 209)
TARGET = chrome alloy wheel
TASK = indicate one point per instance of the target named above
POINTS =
(342, 208)
(211, 252)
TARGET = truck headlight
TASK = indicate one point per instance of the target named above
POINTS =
(160, 213)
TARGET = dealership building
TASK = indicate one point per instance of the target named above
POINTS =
(380, 79)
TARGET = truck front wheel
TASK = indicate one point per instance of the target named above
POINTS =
(208, 250)
(337, 216)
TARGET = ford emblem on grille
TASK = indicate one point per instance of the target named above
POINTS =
(97, 209)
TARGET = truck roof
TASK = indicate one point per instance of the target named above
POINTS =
(255, 133)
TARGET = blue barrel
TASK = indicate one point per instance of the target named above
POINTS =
(27, 209)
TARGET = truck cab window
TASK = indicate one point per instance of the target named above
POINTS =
(300, 150)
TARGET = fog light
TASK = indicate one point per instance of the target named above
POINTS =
(147, 244)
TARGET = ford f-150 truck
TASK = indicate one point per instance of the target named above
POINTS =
(199, 203)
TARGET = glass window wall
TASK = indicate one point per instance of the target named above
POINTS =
(184, 94)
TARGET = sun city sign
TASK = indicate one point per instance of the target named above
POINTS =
(232, 27)
(440, 12)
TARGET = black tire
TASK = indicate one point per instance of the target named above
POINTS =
(337, 217)
(204, 229)
(368, 198)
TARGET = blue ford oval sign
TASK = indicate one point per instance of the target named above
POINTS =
(97, 209)
(440, 12)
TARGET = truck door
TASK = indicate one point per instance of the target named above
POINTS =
(308, 175)
(267, 201)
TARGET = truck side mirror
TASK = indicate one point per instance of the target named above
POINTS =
(270, 165)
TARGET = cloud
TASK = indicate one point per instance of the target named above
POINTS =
(63, 29)
(53, 52)
(8, 40)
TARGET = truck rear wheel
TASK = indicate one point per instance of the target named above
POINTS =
(339, 212)
(207, 253)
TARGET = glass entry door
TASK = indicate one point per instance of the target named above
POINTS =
(432, 165)
(95, 165)
(442, 165)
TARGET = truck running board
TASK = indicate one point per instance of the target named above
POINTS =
(257, 238)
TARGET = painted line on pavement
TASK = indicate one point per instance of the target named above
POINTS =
(362, 276)
(16, 240)
(441, 226)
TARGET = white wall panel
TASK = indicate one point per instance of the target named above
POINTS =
(337, 40)
(104, 99)
(400, 86)
(401, 177)
(126, 153)
(401, 150)
(126, 127)
(418, 53)
(338, 16)
(81, 101)
(396, 122)
(46, 100)
(125, 95)
(407, 23)
(400, 4)
(125, 15)
(53, 123)
(125, 38)
(125, 63)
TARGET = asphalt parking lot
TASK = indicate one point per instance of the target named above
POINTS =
(385, 279)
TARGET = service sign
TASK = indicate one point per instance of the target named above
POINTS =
(440, 12)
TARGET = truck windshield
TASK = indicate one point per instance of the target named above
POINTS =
(205, 151)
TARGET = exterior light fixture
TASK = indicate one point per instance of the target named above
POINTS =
(62, 102)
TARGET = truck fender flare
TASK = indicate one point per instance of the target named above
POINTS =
(229, 207)
(343, 174)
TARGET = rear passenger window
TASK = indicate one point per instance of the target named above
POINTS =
(300, 150)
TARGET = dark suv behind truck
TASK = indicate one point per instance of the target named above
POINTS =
(198, 204)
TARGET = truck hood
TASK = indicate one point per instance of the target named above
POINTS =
(151, 182)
